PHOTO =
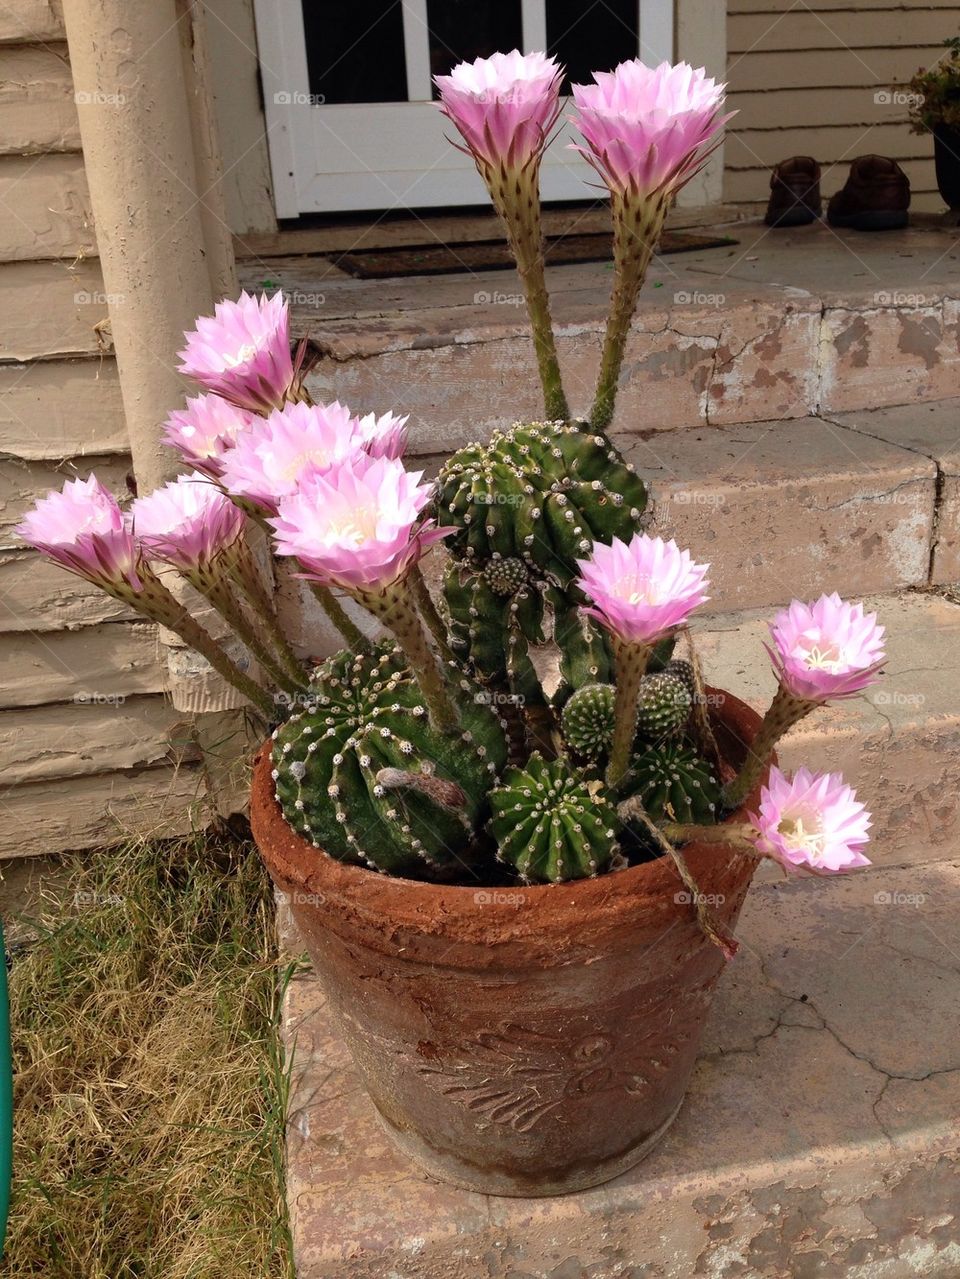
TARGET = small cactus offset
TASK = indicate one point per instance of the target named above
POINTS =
(551, 824)
(357, 770)
(587, 721)
(541, 493)
(505, 576)
(663, 706)
(683, 671)
(674, 784)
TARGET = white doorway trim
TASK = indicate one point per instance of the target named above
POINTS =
(328, 158)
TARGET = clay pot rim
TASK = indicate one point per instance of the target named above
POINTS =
(508, 911)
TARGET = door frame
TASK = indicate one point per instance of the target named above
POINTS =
(665, 25)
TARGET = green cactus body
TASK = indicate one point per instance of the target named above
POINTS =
(480, 617)
(585, 653)
(551, 824)
(684, 671)
(367, 722)
(539, 492)
(587, 720)
(663, 706)
(675, 784)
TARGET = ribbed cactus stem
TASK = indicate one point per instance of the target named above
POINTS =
(391, 606)
(636, 230)
(631, 662)
(785, 711)
(245, 574)
(162, 606)
(516, 197)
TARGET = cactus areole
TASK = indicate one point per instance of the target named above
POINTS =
(514, 826)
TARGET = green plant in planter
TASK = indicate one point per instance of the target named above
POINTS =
(934, 92)
(531, 724)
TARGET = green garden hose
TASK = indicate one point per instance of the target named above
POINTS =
(6, 1097)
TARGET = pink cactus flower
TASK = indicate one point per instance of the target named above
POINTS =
(272, 459)
(648, 129)
(187, 522)
(384, 436)
(827, 649)
(644, 589)
(504, 106)
(205, 430)
(83, 530)
(356, 526)
(242, 352)
(812, 822)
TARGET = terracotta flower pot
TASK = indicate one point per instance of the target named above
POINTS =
(515, 1041)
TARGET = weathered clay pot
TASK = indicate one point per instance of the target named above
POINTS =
(524, 1041)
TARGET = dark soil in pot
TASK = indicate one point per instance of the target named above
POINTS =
(524, 1040)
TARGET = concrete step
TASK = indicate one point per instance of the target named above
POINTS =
(818, 1138)
(783, 324)
(898, 742)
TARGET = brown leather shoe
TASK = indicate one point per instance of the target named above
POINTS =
(794, 192)
(875, 197)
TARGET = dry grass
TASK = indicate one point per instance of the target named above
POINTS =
(150, 1087)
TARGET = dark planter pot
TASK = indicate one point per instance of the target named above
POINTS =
(525, 1041)
(946, 155)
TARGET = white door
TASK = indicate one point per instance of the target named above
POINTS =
(348, 90)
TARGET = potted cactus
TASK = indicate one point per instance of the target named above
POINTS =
(514, 826)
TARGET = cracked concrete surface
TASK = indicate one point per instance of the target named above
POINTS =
(819, 1136)
(780, 325)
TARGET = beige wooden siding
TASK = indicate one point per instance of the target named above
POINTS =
(89, 745)
(815, 79)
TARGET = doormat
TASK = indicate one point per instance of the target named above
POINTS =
(493, 255)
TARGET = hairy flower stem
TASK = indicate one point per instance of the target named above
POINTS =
(160, 605)
(211, 581)
(245, 574)
(785, 711)
(631, 662)
(729, 835)
(337, 616)
(391, 606)
(700, 717)
(351, 634)
(710, 922)
(636, 230)
(516, 197)
(428, 611)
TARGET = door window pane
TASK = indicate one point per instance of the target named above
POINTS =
(461, 30)
(355, 51)
(589, 37)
